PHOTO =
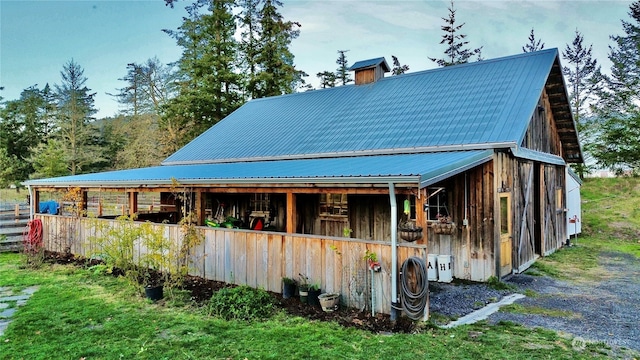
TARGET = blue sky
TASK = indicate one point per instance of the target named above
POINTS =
(38, 37)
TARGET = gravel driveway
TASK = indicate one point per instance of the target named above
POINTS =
(605, 310)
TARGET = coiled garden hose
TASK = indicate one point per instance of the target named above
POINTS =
(415, 288)
(32, 236)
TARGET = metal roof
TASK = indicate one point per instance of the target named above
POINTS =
(528, 154)
(371, 63)
(485, 104)
(418, 168)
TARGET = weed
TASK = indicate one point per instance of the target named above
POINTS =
(241, 303)
(496, 284)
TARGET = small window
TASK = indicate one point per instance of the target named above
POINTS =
(505, 216)
(334, 205)
(438, 205)
(559, 201)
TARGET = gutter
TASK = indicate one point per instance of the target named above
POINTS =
(395, 304)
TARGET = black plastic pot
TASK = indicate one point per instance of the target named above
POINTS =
(313, 297)
(154, 293)
(288, 290)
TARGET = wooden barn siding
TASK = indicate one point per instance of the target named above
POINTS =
(261, 259)
(554, 217)
(472, 247)
(542, 134)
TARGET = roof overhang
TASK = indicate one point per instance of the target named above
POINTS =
(419, 169)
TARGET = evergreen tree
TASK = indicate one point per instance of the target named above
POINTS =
(342, 73)
(456, 52)
(533, 45)
(23, 124)
(617, 145)
(327, 79)
(49, 160)
(276, 74)
(249, 20)
(74, 115)
(397, 68)
(209, 83)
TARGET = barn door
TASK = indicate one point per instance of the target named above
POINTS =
(506, 237)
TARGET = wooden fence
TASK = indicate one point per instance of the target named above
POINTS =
(13, 220)
(261, 259)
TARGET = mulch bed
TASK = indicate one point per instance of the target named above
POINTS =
(201, 290)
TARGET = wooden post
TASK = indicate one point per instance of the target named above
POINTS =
(84, 203)
(199, 208)
(133, 203)
(291, 213)
(36, 201)
(420, 215)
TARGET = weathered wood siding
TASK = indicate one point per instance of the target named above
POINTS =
(472, 246)
(554, 222)
(542, 134)
(261, 259)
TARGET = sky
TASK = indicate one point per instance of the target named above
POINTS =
(37, 38)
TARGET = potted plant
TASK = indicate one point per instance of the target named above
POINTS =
(303, 288)
(288, 287)
(444, 225)
(408, 230)
(314, 292)
(329, 301)
(153, 285)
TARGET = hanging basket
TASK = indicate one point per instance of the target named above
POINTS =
(444, 228)
(329, 301)
(409, 231)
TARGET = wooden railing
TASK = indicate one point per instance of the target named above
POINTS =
(261, 259)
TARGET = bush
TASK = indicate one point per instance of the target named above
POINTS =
(241, 303)
(495, 283)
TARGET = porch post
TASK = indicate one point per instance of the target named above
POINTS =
(199, 208)
(291, 213)
(133, 202)
(395, 304)
(420, 216)
(84, 203)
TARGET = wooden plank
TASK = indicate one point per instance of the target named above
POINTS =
(291, 213)
(240, 255)
(251, 259)
(289, 265)
(209, 254)
(271, 260)
(220, 255)
(229, 258)
(314, 253)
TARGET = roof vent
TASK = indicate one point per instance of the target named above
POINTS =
(369, 71)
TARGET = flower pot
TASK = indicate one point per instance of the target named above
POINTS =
(304, 295)
(313, 297)
(410, 235)
(329, 301)
(154, 293)
(288, 290)
(444, 228)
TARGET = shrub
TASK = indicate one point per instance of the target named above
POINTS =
(241, 303)
(495, 283)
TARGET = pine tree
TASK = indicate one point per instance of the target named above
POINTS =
(327, 79)
(74, 115)
(617, 145)
(249, 22)
(456, 52)
(342, 73)
(533, 45)
(210, 84)
(397, 68)
(276, 74)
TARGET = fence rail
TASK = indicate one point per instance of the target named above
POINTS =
(262, 259)
(13, 220)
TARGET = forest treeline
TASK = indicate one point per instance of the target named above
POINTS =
(52, 130)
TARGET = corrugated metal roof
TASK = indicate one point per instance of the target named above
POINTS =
(418, 168)
(477, 104)
(524, 153)
(371, 62)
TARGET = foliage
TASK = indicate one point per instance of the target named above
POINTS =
(115, 245)
(533, 45)
(616, 144)
(495, 283)
(49, 160)
(303, 282)
(342, 73)
(74, 116)
(24, 123)
(149, 86)
(398, 69)
(209, 83)
(327, 79)
(456, 52)
(241, 303)
(289, 281)
(139, 138)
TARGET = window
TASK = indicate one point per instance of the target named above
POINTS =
(438, 203)
(559, 201)
(334, 205)
(505, 215)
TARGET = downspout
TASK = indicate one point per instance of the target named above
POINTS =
(395, 304)
(30, 202)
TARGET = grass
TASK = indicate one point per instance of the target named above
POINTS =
(77, 313)
(11, 196)
(537, 310)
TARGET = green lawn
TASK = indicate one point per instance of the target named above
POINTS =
(79, 314)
